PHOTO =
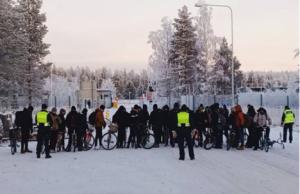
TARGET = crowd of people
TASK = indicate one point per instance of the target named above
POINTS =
(169, 126)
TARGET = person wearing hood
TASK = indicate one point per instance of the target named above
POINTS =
(100, 124)
(121, 118)
(62, 126)
(166, 124)
(26, 128)
(250, 125)
(218, 122)
(173, 122)
(54, 124)
(72, 124)
(156, 123)
(81, 129)
(239, 120)
(261, 120)
(135, 136)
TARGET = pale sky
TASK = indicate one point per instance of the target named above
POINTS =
(114, 33)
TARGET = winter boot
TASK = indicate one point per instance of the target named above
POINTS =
(242, 147)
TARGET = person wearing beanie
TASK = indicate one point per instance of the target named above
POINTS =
(43, 136)
(184, 132)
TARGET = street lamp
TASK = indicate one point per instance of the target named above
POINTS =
(232, 62)
(51, 85)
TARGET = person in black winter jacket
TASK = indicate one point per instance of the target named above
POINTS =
(250, 125)
(156, 123)
(62, 125)
(173, 122)
(135, 135)
(121, 118)
(145, 115)
(217, 125)
(144, 118)
(72, 124)
(82, 126)
(26, 124)
(167, 133)
(200, 121)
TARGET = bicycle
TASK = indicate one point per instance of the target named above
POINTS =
(209, 140)
(88, 140)
(73, 145)
(147, 139)
(60, 142)
(278, 141)
(109, 139)
(263, 141)
(231, 139)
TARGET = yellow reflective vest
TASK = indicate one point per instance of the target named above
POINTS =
(183, 118)
(42, 118)
(289, 117)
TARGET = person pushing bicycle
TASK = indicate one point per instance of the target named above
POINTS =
(262, 121)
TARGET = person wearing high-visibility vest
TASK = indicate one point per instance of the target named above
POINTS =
(184, 132)
(287, 121)
(43, 122)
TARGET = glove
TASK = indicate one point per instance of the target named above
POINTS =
(174, 134)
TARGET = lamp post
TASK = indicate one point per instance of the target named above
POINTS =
(51, 85)
(232, 62)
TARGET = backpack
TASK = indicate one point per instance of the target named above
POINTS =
(92, 118)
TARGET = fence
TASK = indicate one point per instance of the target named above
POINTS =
(274, 102)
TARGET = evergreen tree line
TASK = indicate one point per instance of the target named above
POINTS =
(189, 59)
(127, 83)
(22, 51)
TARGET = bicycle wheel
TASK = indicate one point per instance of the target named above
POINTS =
(246, 137)
(266, 145)
(261, 143)
(208, 143)
(88, 142)
(228, 144)
(109, 141)
(148, 141)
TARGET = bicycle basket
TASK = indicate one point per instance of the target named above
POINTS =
(113, 127)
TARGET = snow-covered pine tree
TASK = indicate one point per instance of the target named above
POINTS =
(206, 46)
(35, 30)
(129, 92)
(183, 52)
(143, 83)
(117, 82)
(220, 76)
(13, 53)
(159, 59)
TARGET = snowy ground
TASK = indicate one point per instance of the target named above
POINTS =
(153, 171)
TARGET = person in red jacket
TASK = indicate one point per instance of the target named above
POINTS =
(99, 124)
(239, 123)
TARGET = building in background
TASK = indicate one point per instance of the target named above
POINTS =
(90, 96)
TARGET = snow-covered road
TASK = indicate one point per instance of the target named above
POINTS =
(130, 171)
